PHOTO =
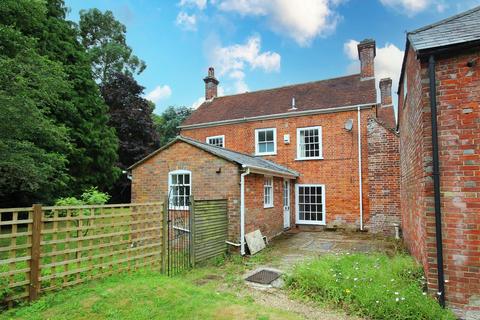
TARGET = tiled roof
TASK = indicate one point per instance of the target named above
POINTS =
(233, 156)
(337, 92)
(463, 27)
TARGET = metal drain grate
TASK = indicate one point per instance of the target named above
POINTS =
(263, 277)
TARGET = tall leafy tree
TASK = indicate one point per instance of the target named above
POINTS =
(104, 37)
(80, 110)
(167, 123)
(131, 116)
(33, 165)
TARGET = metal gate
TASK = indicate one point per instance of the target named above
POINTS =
(179, 223)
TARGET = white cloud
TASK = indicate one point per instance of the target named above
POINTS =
(200, 4)
(159, 93)
(300, 20)
(231, 61)
(412, 7)
(388, 63)
(186, 21)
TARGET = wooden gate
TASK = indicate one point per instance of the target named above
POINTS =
(210, 226)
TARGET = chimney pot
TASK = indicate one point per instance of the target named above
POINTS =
(366, 54)
(211, 84)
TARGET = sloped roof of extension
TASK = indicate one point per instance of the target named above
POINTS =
(255, 164)
(348, 91)
(461, 28)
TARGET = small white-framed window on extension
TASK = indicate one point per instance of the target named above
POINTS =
(309, 143)
(310, 203)
(268, 192)
(179, 189)
(218, 141)
(266, 141)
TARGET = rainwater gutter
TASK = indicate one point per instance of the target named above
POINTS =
(242, 211)
(360, 187)
(436, 181)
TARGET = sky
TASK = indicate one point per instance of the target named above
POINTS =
(261, 44)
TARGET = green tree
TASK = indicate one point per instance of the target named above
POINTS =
(81, 110)
(104, 37)
(33, 165)
(167, 123)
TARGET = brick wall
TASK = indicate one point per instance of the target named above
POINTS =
(458, 98)
(338, 170)
(383, 178)
(150, 179)
(268, 220)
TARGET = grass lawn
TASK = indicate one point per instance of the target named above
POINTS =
(143, 295)
(368, 285)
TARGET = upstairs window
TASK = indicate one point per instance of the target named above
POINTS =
(309, 143)
(218, 141)
(266, 141)
(180, 186)
(268, 192)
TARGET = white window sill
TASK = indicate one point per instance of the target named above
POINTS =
(179, 208)
(310, 158)
(266, 154)
(316, 223)
(268, 206)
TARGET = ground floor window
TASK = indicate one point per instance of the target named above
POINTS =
(268, 192)
(310, 203)
(180, 184)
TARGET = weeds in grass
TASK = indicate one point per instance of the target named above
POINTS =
(373, 285)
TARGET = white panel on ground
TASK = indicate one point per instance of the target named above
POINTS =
(255, 241)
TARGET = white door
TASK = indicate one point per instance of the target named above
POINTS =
(286, 204)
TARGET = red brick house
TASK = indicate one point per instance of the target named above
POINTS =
(328, 137)
(439, 123)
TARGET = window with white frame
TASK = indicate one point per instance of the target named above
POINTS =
(218, 141)
(180, 186)
(266, 141)
(268, 192)
(310, 203)
(309, 143)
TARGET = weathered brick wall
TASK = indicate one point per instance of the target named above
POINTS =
(458, 98)
(383, 178)
(268, 220)
(150, 179)
(338, 170)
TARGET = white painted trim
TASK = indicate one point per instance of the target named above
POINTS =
(324, 205)
(320, 142)
(269, 205)
(279, 115)
(257, 152)
(216, 137)
(170, 174)
(242, 211)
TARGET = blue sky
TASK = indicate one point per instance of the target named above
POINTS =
(259, 44)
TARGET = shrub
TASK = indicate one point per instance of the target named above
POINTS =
(373, 286)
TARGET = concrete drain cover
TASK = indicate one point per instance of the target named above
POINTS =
(263, 277)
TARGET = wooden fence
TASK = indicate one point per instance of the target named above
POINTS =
(210, 227)
(48, 248)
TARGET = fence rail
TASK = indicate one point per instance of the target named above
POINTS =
(48, 248)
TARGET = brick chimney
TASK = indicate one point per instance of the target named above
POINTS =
(385, 112)
(211, 84)
(366, 54)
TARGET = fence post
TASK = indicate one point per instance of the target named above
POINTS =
(164, 236)
(34, 287)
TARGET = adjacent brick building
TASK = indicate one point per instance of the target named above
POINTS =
(331, 133)
(450, 51)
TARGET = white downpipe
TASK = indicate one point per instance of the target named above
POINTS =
(242, 211)
(360, 190)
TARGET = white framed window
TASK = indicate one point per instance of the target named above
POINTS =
(268, 192)
(179, 189)
(266, 141)
(309, 143)
(218, 141)
(310, 203)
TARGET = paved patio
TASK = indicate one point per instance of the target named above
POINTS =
(294, 247)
